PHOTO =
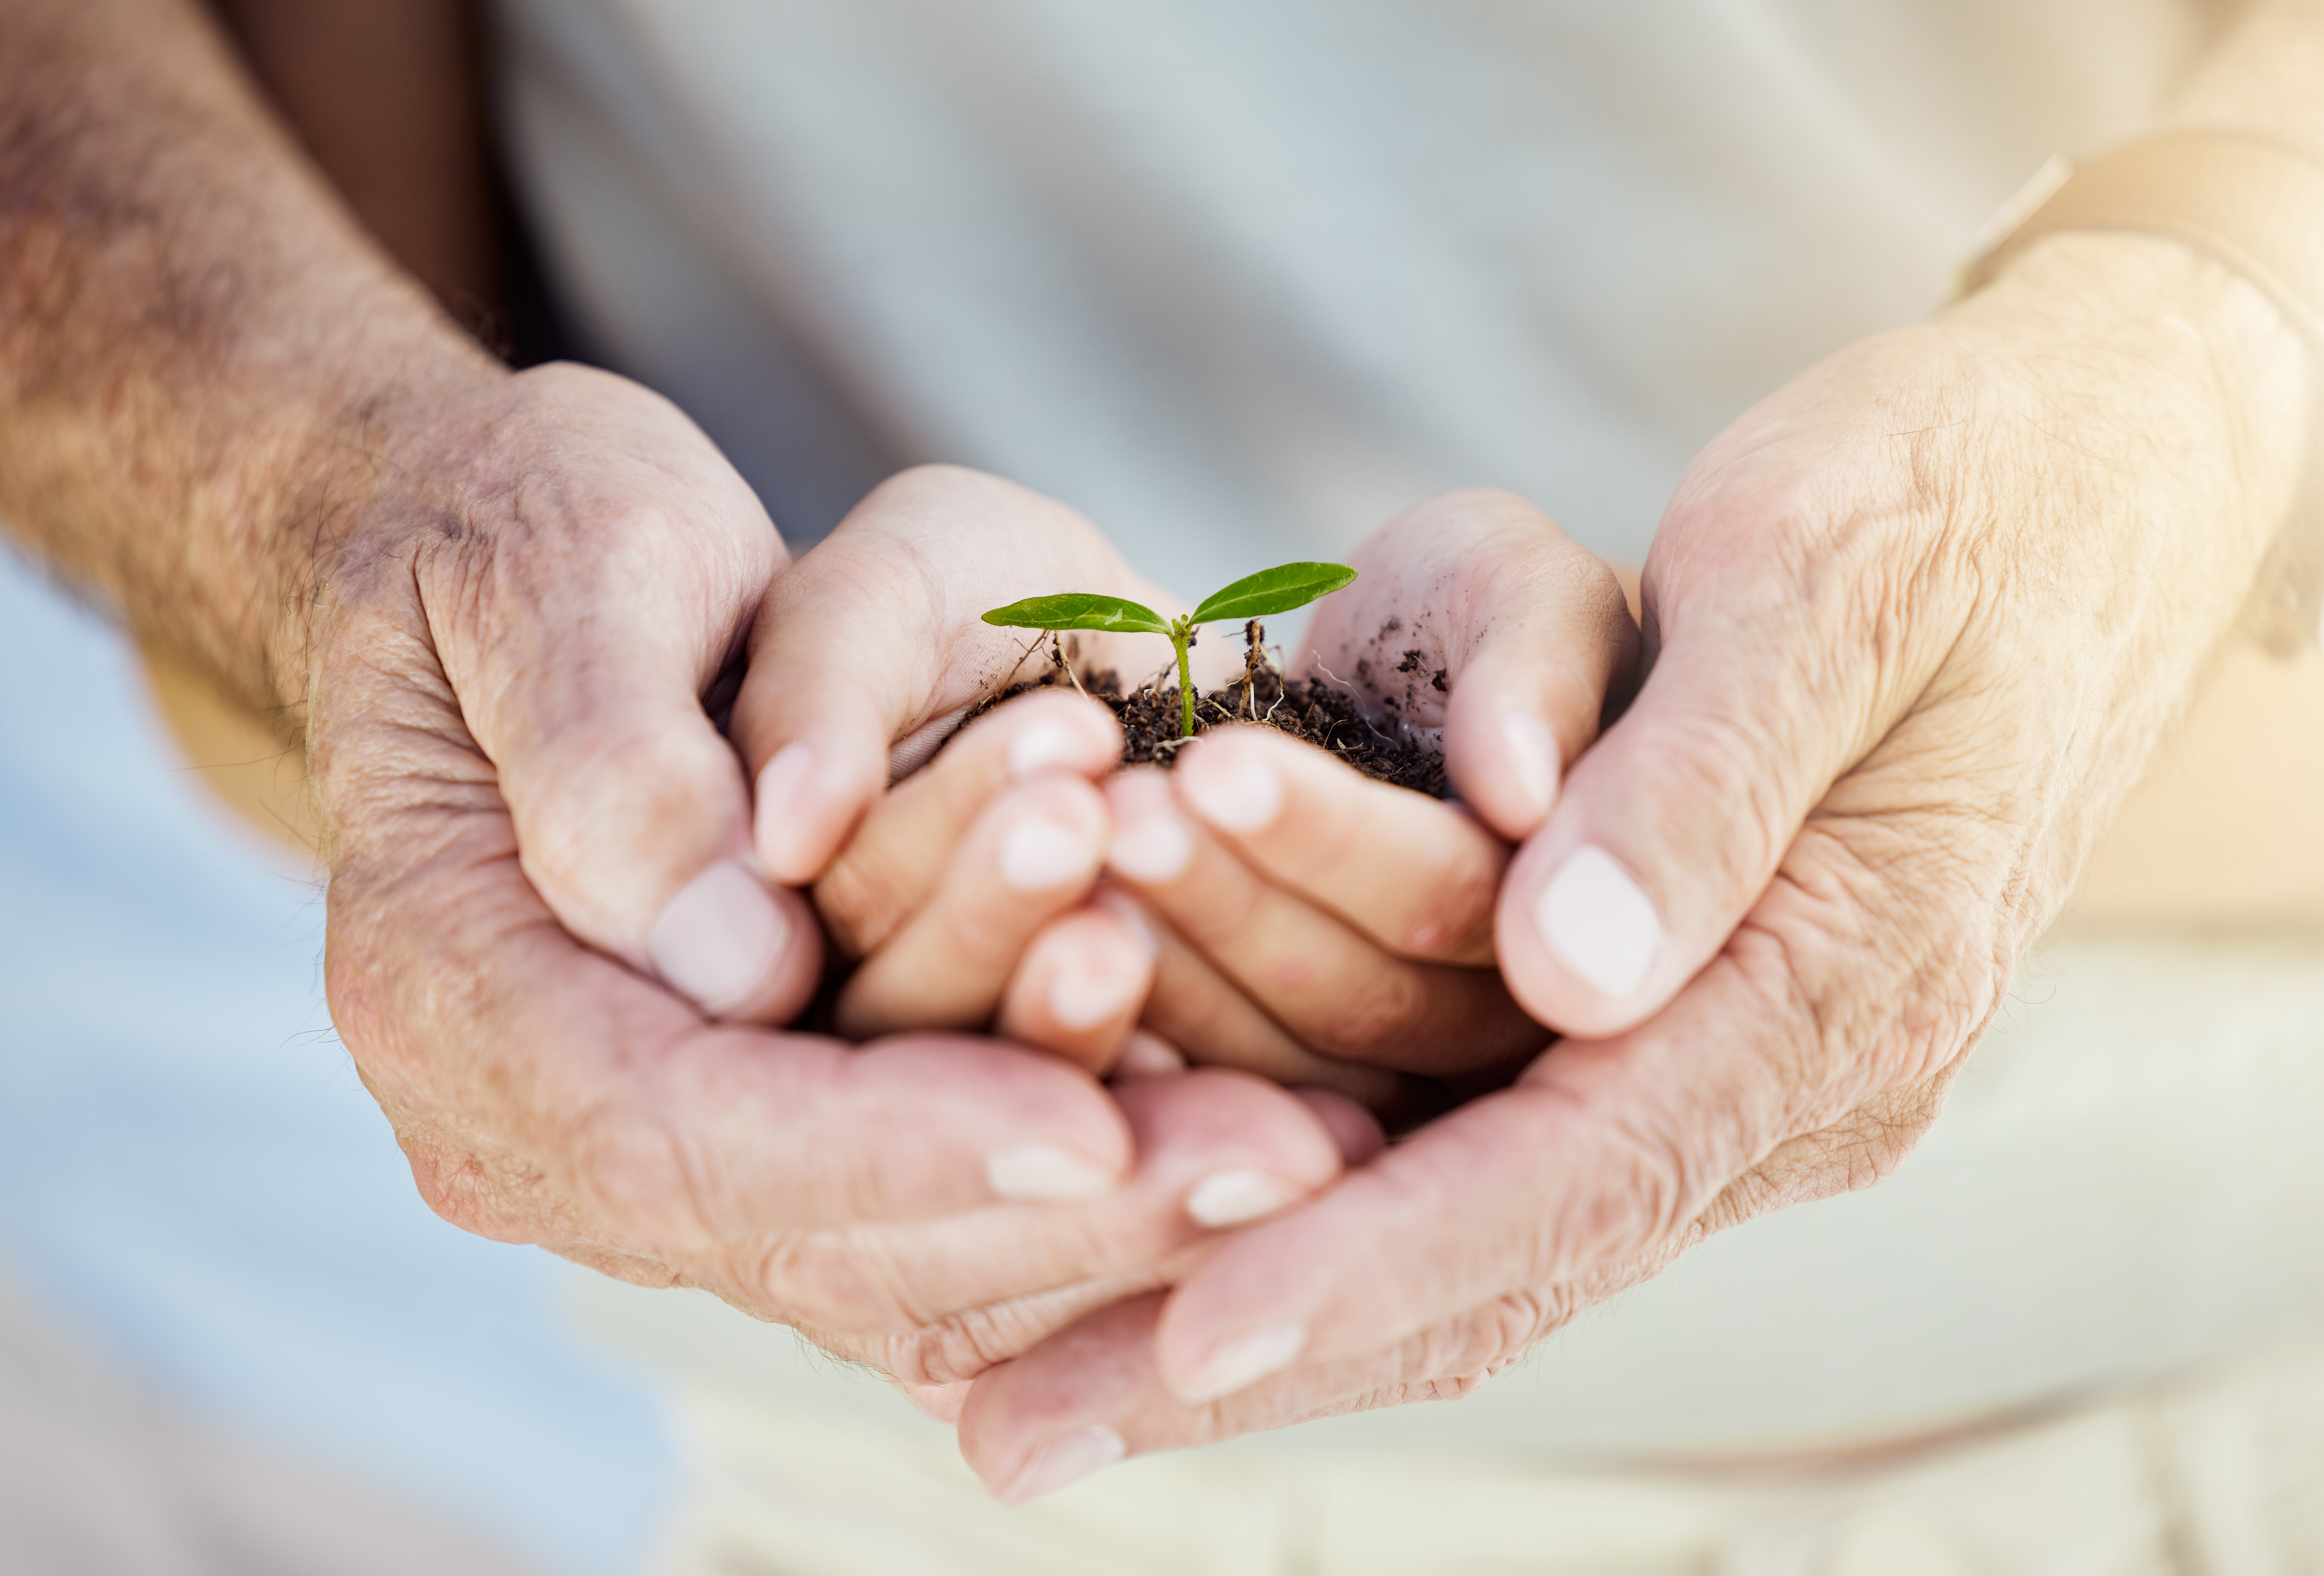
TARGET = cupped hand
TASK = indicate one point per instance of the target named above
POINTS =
(1914, 626)
(1294, 918)
(1315, 916)
(549, 945)
(965, 891)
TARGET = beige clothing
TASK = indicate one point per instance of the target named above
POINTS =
(2124, 1190)
(2220, 1474)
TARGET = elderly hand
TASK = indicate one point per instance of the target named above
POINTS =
(1299, 919)
(1914, 626)
(542, 884)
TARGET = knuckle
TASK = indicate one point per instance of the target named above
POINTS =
(863, 898)
(1454, 917)
(1704, 757)
(1467, 1350)
(965, 1345)
(1878, 968)
(1862, 1148)
(1212, 1026)
(1378, 1007)
(1658, 1176)
(587, 792)
(846, 1281)
(986, 945)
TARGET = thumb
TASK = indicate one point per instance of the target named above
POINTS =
(580, 658)
(872, 648)
(1669, 831)
(1473, 612)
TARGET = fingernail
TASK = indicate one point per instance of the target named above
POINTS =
(1600, 922)
(1037, 854)
(1533, 759)
(1230, 1198)
(1233, 790)
(1242, 1363)
(1039, 746)
(1152, 849)
(718, 937)
(1131, 914)
(1083, 997)
(1063, 1460)
(779, 799)
(1038, 1172)
(1149, 1056)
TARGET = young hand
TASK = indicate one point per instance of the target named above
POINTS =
(1276, 952)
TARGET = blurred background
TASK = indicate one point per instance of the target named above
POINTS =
(1200, 272)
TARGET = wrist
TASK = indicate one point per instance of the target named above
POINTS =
(377, 463)
(2194, 368)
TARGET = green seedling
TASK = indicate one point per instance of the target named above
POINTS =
(1271, 591)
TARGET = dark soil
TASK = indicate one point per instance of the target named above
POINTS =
(1324, 713)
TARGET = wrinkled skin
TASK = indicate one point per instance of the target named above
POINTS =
(506, 644)
(1914, 626)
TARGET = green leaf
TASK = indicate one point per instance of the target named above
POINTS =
(1078, 610)
(1273, 591)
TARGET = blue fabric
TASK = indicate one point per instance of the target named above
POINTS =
(192, 1174)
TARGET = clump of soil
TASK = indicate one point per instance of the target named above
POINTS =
(1324, 713)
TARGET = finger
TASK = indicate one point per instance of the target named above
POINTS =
(584, 688)
(1605, 1157)
(1217, 1150)
(1414, 874)
(1336, 991)
(1208, 1021)
(1352, 1128)
(1090, 1396)
(866, 654)
(1147, 1054)
(1475, 614)
(1078, 990)
(908, 839)
(1028, 857)
(546, 1093)
(1670, 829)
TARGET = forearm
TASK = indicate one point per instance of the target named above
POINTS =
(199, 351)
(2124, 268)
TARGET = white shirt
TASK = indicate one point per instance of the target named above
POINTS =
(1242, 278)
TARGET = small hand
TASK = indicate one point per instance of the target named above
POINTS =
(1357, 915)
(1337, 939)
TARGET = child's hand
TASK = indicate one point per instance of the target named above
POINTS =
(960, 892)
(970, 889)
(1310, 912)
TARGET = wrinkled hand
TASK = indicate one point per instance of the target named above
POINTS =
(1914, 626)
(549, 945)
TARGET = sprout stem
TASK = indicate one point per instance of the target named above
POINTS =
(1179, 629)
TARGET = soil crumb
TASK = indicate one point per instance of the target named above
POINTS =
(1324, 713)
